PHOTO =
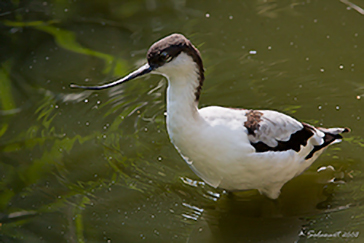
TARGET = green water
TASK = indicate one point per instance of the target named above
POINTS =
(97, 166)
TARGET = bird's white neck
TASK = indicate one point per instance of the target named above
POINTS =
(181, 98)
(183, 82)
(182, 110)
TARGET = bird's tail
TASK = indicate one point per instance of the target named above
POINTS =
(331, 136)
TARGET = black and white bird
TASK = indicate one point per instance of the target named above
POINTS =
(232, 149)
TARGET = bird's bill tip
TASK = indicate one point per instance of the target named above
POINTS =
(137, 73)
(75, 86)
(346, 129)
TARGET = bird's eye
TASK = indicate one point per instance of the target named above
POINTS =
(166, 57)
(164, 54)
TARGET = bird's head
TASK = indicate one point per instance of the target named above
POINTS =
(169, 56)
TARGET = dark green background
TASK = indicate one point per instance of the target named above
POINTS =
(82, 166)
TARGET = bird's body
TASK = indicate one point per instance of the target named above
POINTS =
(218, 149)
(233, 149)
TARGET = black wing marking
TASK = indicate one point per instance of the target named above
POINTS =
(295, 141)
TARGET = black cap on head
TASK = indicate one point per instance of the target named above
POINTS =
(168, 48)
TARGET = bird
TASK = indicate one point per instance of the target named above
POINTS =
(228, 148)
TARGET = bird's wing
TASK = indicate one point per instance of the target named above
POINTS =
(274, 131)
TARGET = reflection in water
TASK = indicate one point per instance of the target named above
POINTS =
(197, 212)
(248, 216)
(99, 167)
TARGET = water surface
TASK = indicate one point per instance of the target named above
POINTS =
(97, 166)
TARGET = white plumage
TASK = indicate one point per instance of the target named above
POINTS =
(218, 149)
(233, 149)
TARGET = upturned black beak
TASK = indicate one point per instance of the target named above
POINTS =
(141, 71)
